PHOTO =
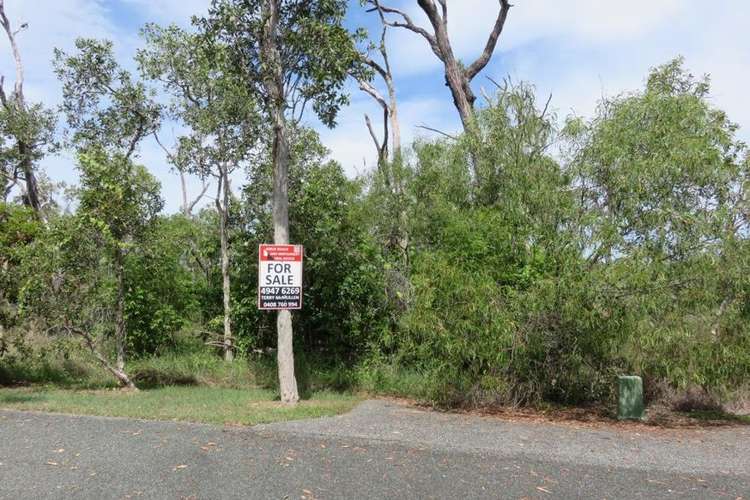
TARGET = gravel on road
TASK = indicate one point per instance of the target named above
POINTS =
(380, 450)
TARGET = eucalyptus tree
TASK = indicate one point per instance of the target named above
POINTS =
(120, 201)
(26, 130)
(68, 287)
(220, 114)
(290, 53)
(109, 114)
(664, 180)
(660, 171)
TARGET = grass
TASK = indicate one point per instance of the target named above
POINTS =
(214, 405)
(191, 386)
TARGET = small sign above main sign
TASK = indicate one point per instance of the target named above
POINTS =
(280, 277)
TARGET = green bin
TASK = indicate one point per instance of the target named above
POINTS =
(630, 406)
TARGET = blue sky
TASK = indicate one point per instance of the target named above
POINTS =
(577, 50)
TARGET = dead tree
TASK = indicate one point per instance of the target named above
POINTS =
(457, 77)
(389, 167)
(391, 127)
(15, 103)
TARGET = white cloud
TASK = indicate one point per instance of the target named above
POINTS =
(576, 49)
(57, 24)
(584, 21)
(170, 11)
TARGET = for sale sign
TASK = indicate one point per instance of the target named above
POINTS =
(280, 277)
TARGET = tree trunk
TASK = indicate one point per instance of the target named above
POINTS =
(185, 210)
(120, 333)
(118, 373)
(274, 86)
(224, 222)
(32, 188)
(393, 118)
(458, 85)
(24, 149)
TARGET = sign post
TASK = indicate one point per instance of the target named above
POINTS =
(280, 277)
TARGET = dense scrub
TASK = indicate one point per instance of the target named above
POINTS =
(519, 265)
(540, 277)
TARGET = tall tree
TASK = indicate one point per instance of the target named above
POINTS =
(291, 53)
(107, 111)
(28, 128)
(220, 113)
(457, 76)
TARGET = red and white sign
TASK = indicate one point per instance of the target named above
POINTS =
(280, 277)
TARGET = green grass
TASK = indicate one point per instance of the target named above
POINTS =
(192, 387)
(215, 405)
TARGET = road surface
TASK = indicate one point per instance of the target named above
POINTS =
(380, 450)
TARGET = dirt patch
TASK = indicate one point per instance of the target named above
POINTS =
(658, 417)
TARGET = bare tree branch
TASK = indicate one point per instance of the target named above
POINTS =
(192, 204)
(406, 23)
(372, 134)
(489, 48)
(457, 78)
(120, 375)
(425, 127)
(16, 53)
(187, 207)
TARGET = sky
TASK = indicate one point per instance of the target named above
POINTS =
(576, 50)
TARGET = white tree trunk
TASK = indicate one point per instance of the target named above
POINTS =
(118, 373)
(223, 209)
(274, 86)
(25, 150)
(120, 331)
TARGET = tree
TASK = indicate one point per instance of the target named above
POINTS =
(120, 201)
(663, 184)
(291, 53)
(344, 304)
(18, 228)
(391, 125)
(457, 77)
(220, 112)
(28, 128)
(103, 105)
(660, 171)
(110, 114)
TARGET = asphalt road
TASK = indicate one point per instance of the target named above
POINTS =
(380, 450)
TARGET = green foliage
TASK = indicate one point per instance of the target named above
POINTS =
(484, 270)
(343, 301)
(317, 54)
(534, 282)
(27, 134)
(663, 184)
(206, 95)
(18, 229)
(103, 105)
(163, 293)
(64, 280)
(118, 199)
